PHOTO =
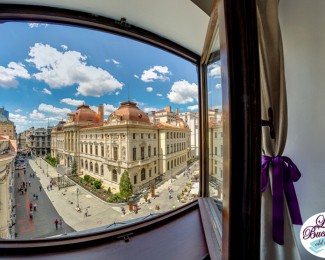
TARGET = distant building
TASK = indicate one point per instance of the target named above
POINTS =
(7, 127)
(126, 141)
(192, 120)
(38, 140)
(8, 150)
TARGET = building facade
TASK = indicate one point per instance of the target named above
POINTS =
(126, 141)
(7, 127)
(8, 150)
(38, 140)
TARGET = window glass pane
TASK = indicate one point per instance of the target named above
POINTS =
(98, 116)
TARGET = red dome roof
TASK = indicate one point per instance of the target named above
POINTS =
(85, 114)
(129, 111)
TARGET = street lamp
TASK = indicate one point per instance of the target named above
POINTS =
(77, 197)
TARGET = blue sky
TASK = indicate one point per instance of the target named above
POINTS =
(47, 70)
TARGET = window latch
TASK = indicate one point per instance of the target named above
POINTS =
(126, 237)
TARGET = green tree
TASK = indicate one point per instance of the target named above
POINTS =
(74, 170)
(125, 185)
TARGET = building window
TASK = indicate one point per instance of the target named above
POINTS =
(82, 163)
(142, 153)
(148, 136)
(216, 150)
(134, 179)
(114, 176)
(167, 135)
(141, 136)
(102, 170)
(154, 151)
(167, 166)
(91, 166)
(96, 168)
(115, 153)
(149, 151)
(102, 149)
(96, 149)
(150, 173)
(168, 149)
(134, 154)
(86, 164)
(91, 149)
(143, 174)
(155, 169)
(154, 136)
(133, 135)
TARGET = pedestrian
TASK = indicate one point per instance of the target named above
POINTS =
(56, 222)
(29, 183)
(26, 189)
(30, 205)
(35, 205)
(31, 214)
(36, 195)
(60, 222)
(40, 188)
(30, 175)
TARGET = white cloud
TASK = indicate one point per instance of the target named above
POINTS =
(18, 110)
(159, 95)
(63, 69)
(36, 115)
(115, 62)
(136, 76)
(155, 73)
(53, 110)
(183, 92)
(36, 25)
(108, 109)
(218, 86)
(8, 75)
(149, 89)
(19, 119)
(46, 91)
(215, 71)
(64, 47)
(107, 60)
(194, 107)
(72, 102)
(150, 109)
(117, 93)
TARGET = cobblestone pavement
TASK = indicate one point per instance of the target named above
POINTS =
(42, 223)
(62, 203)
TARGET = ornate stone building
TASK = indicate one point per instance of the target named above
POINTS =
(8, 150)
(39, 140)
(7, 127)
(126, 141)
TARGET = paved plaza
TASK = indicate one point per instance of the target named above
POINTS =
(54, 204)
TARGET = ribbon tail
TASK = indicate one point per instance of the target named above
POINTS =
(278, 197)
(292, 200)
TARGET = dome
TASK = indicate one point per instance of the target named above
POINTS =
(85, 114)
(130, 112)
(60, 126)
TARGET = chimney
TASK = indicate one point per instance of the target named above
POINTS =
(176, 111)
(168, 109)
(101, 113)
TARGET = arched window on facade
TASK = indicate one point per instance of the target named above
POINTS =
(96, 168)
(86, 164)
(91, 166)
(114, 175)
(102, 170)
(82, 163)
(143, 174)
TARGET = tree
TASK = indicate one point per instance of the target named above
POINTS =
(74, 170)
(125, 185)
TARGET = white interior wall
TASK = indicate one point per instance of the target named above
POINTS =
(302, 23)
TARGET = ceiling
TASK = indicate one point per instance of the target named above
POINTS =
(180, 21)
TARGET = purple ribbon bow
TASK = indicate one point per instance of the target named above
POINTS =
(284, 173)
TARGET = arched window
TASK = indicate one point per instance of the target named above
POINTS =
(86, 164)
(168, 149)
(114, 175)
(91, 166)
(82, 163)
(143, 174)
(91, 149)
(96, 168)
(102, 170)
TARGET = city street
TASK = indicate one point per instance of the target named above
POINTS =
(42, 223)
(55, 203)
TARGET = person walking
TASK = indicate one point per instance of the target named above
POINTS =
(40, 188)
(36, 196)
(56, 222)
(30, 205)
(29, 183)
(35, 205)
